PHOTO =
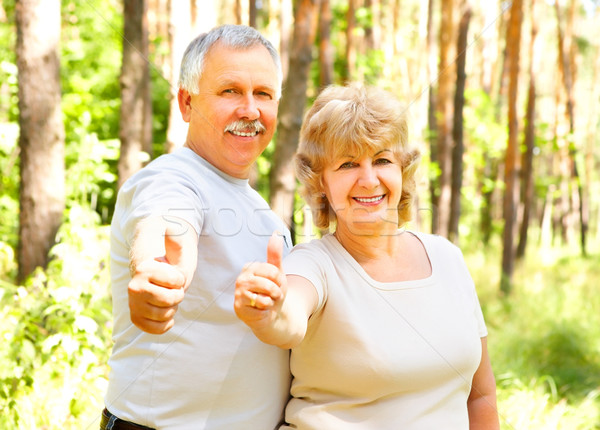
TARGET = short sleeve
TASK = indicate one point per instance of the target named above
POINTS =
(154, 193)
(309, 262)
(471, 292)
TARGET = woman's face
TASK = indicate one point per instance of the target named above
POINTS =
(365, 192)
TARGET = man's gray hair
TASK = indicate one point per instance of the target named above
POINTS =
(232, 36)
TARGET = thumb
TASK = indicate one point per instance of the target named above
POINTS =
(275, 250)
(181, 248)
(173, 246)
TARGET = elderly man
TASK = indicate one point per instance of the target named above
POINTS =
(182, 230)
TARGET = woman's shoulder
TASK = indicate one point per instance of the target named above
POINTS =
(436, 243)
(314, 246)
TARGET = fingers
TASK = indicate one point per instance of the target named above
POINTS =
(275, 250)
(154, 293)
(160, 272)
(263, 279)
(152, 308)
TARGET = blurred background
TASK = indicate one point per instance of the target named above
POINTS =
(503, 100)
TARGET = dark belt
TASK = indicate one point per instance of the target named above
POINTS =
(110, 422)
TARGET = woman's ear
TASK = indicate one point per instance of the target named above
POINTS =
(184, 99)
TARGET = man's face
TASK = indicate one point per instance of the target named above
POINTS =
(233, 117)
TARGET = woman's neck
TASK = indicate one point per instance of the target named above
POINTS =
(366, 246)
(394, 257)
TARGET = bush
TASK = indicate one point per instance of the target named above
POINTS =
(57, 326)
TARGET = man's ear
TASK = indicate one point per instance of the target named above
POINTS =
(184, 99)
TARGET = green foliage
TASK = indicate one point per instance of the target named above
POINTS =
(8, 68)
(57, 333)
(91, 49)
(485, 138)
(9, 184)
(160, 110)
(544, 340)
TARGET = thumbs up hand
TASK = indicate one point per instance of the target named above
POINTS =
(163, 261)
(260, 289)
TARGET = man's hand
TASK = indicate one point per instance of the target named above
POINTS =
(158, 283)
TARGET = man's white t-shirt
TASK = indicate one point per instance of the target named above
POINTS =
(209, 371)
(397, 355)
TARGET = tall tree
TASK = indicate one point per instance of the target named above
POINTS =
(431, 120)
(457, 125)
(287, 22)
(351, 42)
(291, 110)
(136, 108)
(527, 194)
(252, 12)
(566, 57)
(512, 162)
(41, 139)
(442, 155)
(326, 50)
(180, 34)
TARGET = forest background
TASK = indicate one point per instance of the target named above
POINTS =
(503, 100)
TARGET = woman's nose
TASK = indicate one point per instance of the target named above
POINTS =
(368, 176)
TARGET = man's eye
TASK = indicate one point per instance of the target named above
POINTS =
(265, 94)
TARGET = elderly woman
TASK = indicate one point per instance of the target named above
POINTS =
(384, 324)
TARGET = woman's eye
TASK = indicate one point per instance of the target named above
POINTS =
(346, 165)
(382, 161)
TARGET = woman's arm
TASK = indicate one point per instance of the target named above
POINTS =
(483, 411)
(274, 306)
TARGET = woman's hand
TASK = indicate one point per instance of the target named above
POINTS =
(260, 289)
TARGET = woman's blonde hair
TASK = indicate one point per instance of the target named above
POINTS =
(352, 119)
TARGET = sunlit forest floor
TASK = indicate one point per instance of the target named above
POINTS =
(544, 338)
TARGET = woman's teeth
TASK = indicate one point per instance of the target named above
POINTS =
(368, 199)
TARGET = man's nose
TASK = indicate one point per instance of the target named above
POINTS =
(248, 108)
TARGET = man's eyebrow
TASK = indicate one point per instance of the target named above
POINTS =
(266, 87)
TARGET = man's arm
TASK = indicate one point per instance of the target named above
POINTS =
(483, 411)
(163, 260)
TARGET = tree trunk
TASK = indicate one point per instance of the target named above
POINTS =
(591, 139)
(180, 34)
(287, 23)
(326, 49)
(457, 127)
(351, 47)
(252, 12)
(41, 139)
(527, 191)
(135, 90)
(566, 54)
(512, 164)
(431, 121)
(442, 157)
(373, 32)
(238, 12)
(291, 110)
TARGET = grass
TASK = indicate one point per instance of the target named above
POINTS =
(544, 339)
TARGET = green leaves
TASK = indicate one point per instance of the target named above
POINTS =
(57, 326)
